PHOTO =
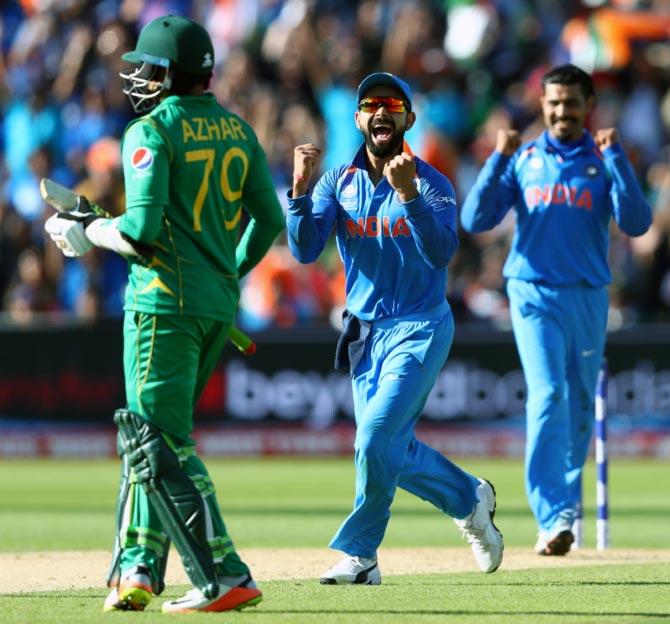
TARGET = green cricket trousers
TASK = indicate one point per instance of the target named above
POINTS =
(167, 361)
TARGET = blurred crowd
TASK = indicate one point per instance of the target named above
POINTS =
(290, 68)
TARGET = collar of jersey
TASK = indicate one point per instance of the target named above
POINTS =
(205, 97)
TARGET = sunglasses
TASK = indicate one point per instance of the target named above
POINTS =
(391, 104)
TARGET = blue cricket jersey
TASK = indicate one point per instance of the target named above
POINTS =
(395, 254)
(564, 199)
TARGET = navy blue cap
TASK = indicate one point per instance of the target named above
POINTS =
(387, 80)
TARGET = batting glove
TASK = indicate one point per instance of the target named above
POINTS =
(68, 234)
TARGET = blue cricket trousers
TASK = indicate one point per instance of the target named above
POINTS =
(560, 336)
(391, 384)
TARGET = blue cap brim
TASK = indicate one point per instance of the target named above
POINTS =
(387, 80)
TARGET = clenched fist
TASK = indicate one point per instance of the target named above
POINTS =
(606, 138)
(400, 172)
(305, 160)
(508, 142)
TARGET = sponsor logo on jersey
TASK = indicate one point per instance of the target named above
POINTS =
(558, 194)
(372, 227)
(443, 202)
(142, 159)
(349, 190)
(536, 163)
(592, 171)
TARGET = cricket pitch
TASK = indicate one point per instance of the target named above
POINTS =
(50, 571)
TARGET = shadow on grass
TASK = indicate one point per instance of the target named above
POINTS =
(507, 612)
(263, 611)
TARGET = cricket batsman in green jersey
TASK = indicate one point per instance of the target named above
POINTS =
(190, 167)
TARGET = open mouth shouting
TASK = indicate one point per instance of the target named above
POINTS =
(382, 132)
(382, 138)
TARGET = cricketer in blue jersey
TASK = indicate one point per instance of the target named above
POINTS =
(395, 222)
(565, 187)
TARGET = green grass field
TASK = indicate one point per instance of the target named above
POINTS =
(282, 503)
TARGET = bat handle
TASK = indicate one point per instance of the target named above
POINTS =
(245, 344)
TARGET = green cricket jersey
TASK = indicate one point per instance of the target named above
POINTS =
(190, 168)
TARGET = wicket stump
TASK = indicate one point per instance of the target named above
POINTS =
(602, 504)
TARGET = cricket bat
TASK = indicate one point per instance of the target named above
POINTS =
(64, 199)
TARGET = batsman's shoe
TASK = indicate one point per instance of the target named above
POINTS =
(486, 541)
(353, 571)
(235, 593)
(558, 541)
(133, 592)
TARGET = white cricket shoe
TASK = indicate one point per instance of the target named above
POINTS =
(486, 541)
(354, 571)
(558, 541)
(235, 593)
(133, 593)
